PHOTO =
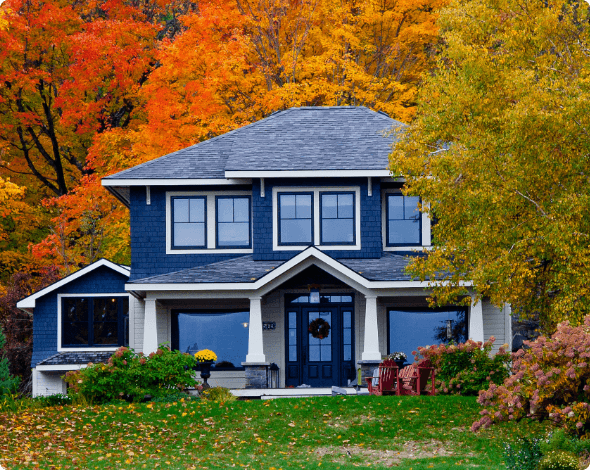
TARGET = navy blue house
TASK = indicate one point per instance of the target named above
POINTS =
(284, 241)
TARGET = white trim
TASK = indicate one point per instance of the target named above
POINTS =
(424, 227)
(174, 181)
(316, 190)
(304, 173)
(211, 222)
(59, 367)
(29, 302)
(262, 192)
(82, 348)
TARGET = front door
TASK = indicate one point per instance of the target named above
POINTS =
(313, 357)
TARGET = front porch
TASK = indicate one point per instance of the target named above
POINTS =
(357, 298)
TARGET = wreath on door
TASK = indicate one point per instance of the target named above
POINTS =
(319, 328)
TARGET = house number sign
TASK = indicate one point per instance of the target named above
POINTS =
(269, 325)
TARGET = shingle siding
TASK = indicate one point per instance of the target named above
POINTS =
(100, 281)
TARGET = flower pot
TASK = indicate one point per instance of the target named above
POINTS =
(205, 369)
(400, 362)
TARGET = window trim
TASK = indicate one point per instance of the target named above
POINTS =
(425, 237)
(336, 193)
(295, 193)
(316, 190)
(233, 196)
(188, 247)
(211, 225)
(61, 348)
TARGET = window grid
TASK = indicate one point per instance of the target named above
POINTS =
(189, 219)
(289, 217)
(328, 216)
(240, 220)
(409, 213)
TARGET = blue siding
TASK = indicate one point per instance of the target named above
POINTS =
(148, 227)
(102, 280)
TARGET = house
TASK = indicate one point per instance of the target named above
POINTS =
(284, 241)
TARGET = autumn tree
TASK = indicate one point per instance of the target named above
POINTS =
(500, 150)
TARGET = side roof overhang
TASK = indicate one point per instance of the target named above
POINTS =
(28, 303)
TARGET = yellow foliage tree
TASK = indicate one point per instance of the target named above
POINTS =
(500, 152)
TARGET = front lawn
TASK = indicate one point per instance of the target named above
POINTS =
(331, 432)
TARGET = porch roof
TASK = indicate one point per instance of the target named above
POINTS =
(76, 357)
(244, 269)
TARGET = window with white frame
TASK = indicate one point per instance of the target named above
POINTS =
(94, 321)
(208, 221)
(325, 217)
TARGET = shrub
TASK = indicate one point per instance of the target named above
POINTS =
(559, 440)
(524, 455)
(132, 376)
(8, 383)
(466, 368)
(218, 394)
(551, 379)
(559, 460)
(16, 404)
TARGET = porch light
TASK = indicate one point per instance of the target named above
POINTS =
(314, 296)
(245, 324)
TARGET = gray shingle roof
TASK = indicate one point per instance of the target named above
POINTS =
(308, 138)
(77, 357)
(390, 267)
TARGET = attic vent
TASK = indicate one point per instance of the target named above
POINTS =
(384, 113)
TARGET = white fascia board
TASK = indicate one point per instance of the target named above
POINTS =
(175, 182)
(60, 367)
(29, 302)
(305, 173)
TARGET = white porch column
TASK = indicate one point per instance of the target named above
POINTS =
(371, 347)
(255, 346)
(476, 321)
(150, 328)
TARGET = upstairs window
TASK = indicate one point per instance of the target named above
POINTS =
(188, 222)
(337, 219)
(233, 222)
(295, 219)
(403, 220)
(95, 321)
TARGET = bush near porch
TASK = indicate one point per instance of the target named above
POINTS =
(132, 376)
(466, 368)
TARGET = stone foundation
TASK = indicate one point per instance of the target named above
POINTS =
(256, 375)
(367, 368)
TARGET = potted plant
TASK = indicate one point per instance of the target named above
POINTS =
(398, 357)
(205, 359)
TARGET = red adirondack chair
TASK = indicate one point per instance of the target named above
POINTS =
(415, 380)
(388, 383)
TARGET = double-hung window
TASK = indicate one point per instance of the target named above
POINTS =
(233, 221)
(337, 218)
(94, 321)
(403, 220)
(189, 227)
(295, 218)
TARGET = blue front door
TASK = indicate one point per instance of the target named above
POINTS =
(314, 360)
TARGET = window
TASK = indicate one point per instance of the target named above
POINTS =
(295, 219)
(223, 332)
(413, 327)
(95, 321)
(188, 222)
(403, 220)
(233, 222)
(337, 218)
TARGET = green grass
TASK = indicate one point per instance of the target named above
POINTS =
(331, 432)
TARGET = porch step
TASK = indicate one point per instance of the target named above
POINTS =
(271, 393)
